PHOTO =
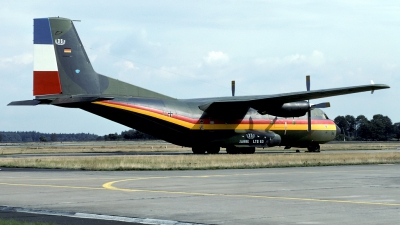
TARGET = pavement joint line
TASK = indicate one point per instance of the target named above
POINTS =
(185, 176)
(52, 186)
(97, 216)
(110, 186)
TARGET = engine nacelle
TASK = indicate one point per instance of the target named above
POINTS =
(291, 109)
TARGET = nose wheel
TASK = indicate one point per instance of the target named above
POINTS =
(314, 148)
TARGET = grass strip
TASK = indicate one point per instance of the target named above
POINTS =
(201, 162)
(103, 147)
(14, 222)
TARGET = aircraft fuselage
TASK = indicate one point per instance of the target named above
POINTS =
(182, 122)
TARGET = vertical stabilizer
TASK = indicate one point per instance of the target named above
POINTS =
(46, 79)
(61, 65)
(63, 69)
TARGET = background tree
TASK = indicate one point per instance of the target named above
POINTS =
(396, 131)
(363, 128)
(113, 137)
(53, 137)
(129, 135)
(381, 128)
(341, 122)
(351, 125)
(43, 139)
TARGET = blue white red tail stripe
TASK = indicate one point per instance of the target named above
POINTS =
(42, 31)
(46, 79)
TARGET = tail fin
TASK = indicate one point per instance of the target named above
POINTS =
(62, 67)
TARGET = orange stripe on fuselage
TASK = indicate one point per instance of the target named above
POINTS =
(206, 124)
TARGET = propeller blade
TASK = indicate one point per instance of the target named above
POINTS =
(233, 88)
(321, 105)
(308, 85)
(309, 121)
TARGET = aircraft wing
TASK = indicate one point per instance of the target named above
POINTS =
(259, 102)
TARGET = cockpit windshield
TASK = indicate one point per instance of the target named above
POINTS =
(318, 113)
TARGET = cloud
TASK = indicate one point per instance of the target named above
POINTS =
(18, 60)
(216, 58)
(126, 65)
(315, 59)
(389, 66)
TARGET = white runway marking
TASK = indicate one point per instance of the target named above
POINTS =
(98, 216)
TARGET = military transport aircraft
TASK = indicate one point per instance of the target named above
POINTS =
(63, 76)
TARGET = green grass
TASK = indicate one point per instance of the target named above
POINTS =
(14, 222)
(153, 146)
(203, 162)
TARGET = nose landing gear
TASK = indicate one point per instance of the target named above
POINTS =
(314, 148)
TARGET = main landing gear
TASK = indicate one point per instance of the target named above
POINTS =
(203, 150)
(314, 148)
(235, 150)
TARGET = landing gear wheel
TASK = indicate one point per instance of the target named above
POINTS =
(235, 150)
(213, 150)
(232, 150)
(314, 148)
(198, 150)
(249, 150)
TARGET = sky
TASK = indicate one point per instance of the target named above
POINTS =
(193, 49)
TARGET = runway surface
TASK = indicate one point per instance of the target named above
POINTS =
(309, 195)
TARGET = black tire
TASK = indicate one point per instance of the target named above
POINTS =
(232, 150)
(213, 150)
(249, 150)
(198, 150)
(314, 148)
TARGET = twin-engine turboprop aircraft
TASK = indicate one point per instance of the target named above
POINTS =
(63, 76)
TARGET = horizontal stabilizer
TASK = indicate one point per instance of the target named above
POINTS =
(25, 103)
(79, 99)
(61, 101)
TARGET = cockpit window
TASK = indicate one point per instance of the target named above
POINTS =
(317, 113)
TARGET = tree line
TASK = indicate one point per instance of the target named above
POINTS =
(33, 136)
(128, 135)
(379, 128)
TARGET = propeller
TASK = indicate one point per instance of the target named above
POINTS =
(233, 88)
(313, 106)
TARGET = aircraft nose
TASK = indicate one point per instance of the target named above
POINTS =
(338, 130)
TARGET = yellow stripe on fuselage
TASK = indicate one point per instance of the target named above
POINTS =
(244, 126)
(148, 113)
(266, 126)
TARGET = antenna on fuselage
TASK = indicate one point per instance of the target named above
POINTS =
(233, 88)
